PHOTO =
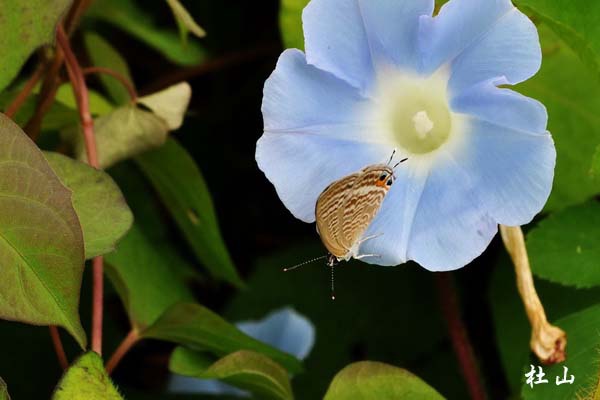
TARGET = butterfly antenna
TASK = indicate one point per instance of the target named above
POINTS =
(303, 263)
(400, 162)
(391, 157)
(332, 283)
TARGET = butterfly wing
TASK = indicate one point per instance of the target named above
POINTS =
(359, 207)
(327, 213)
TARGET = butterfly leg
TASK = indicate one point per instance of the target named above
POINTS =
(360, 256)
(361, 241)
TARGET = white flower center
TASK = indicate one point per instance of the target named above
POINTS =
(413, 112)
(423, 125)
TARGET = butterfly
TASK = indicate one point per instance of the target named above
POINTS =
(346, 208)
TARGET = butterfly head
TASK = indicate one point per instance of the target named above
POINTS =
(382, 175)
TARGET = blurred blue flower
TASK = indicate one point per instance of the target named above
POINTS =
(380, 75)
(284, 329)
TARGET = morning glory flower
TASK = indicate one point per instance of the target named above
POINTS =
(380, 75)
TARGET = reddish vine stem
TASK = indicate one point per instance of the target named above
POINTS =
(122, 79)
(458, 334)
(130, 340)
(16, 104)
(47, 94)
(82, 95)
(58, 347)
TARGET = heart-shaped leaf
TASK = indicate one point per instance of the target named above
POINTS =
(570, 93)
(582, 362)
(185, 21)
(3, 391)
(244, 369)
(198, 328)
(575, 21)
(98, 201)
(121, 134)
(86, 379)
(565, 247)
(25, 26)
(181, 187)
(143, 276)
(41, 242)
(368, 380)
(103, 54)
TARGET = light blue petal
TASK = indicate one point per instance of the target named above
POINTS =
(335, 40)
(434, 219)
(502, 107)
(302, 165)
(393, 223)
(392, 28)
(511, 48)
(284, 329)
(481, 39)
(513, 170)
(451, 226)
(301, 98)
(187, 384)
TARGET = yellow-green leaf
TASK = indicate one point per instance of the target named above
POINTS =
(86, 379)
(41, 242)
(121, 134)
(3, 390)
(170, 104)
(368, 380)
(185, 21)
(245, 369)
(25, 26)
(290, 23)
(98, 201)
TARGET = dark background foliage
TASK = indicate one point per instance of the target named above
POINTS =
(384, 314)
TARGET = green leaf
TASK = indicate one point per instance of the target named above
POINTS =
(3, 390)
(180, 184)
(595, 169)
(185, 21)
(575, 21)
(60, 116)
(170, 104)
(583, 361)
(565, 247)
(26, 26)
(98, 104)
(121, 134)
(290, 23)
(200, 329)
(144, 279)
(102, 54)
(86, 379)
(570, 93)
(513, 330)
(245, 369)
(98, 201)
(127, 16)
(369, 380)
(41, 243)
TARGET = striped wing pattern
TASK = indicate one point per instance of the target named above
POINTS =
(346, 208)
(360, 207)
(327, 213)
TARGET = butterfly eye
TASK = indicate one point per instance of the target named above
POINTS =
(389, 182)
(382, 177)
